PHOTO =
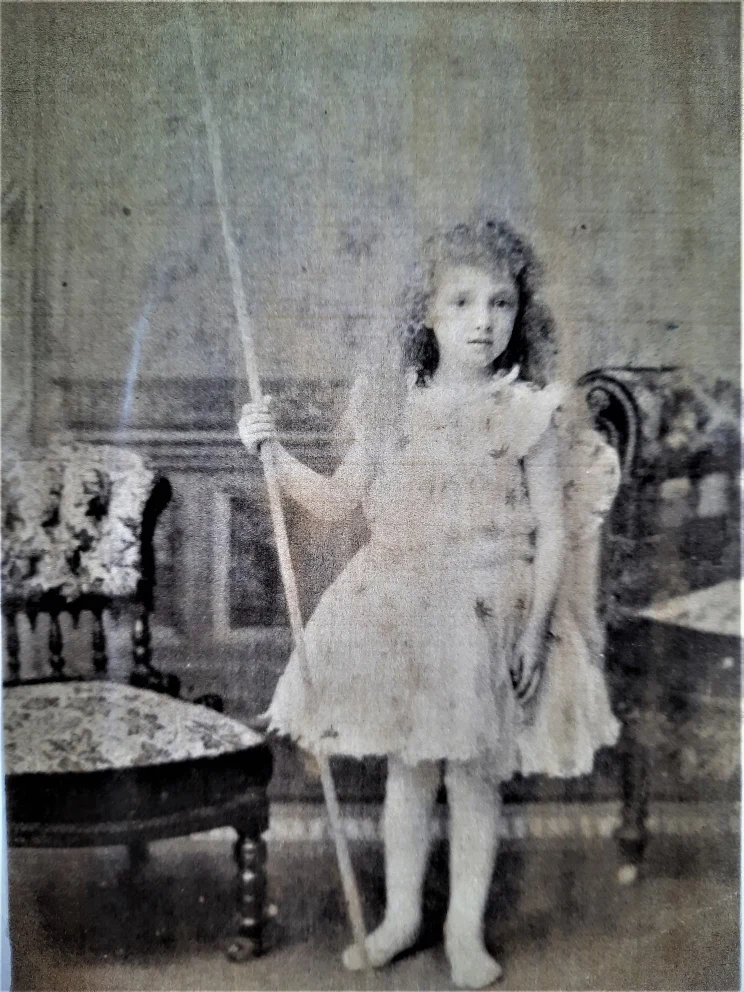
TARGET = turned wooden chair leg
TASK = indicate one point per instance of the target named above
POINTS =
(250, 855)
(139, 855)
(632, 834)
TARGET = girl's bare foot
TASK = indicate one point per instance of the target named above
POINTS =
(389, 940)
(471, 964)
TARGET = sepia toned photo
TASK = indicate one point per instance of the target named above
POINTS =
(371, 495)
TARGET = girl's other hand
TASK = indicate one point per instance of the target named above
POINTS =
(256, 424)
(529, 661)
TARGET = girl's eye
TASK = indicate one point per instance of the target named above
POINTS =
(499, 302)
(461, 301)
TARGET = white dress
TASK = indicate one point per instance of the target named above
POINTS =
(409, 648)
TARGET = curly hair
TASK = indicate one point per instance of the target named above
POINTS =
(494, 246)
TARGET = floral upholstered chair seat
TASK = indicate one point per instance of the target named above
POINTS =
(93, 726)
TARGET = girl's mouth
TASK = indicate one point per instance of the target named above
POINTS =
(480, 341)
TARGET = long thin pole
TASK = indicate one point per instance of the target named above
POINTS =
(29, 400)
(351, 891)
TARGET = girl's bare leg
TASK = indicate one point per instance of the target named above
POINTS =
(474, 816)
(409, 797)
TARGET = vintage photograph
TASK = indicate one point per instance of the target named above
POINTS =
(371, 495)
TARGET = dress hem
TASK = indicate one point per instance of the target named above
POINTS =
(521, 765)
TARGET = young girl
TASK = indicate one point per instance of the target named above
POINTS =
(431, 643)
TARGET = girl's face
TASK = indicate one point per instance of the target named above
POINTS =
(472, 314)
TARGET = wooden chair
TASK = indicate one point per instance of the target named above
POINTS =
(674, 532)
(92, 761)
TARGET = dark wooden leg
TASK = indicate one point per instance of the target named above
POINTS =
(250, 854)
(139, 855)
(632, 834)
(631, 670)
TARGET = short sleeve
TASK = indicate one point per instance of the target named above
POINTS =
(535, 412)
(591, 482)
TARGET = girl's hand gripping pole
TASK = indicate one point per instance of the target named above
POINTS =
(351, 892)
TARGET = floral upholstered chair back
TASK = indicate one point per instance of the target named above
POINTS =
(72, 535)
(72, 523)
(675, 525)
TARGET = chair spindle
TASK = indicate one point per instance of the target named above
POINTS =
(141, 638)
(12, 644)
(56, 658)
(98, 642)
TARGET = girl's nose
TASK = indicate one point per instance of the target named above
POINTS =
(484, 321)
